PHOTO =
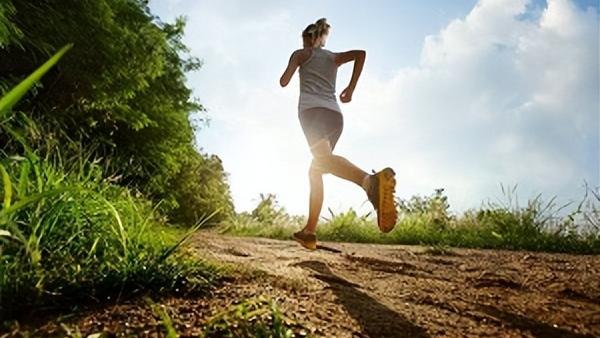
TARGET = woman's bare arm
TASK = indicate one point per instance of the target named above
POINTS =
(290, 70)
(296, 59)
(358, 56)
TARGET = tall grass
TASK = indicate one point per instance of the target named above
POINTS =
(68, 234)
(426, 220)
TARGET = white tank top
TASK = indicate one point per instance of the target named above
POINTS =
(317, 81)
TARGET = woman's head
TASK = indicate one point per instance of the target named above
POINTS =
(315, 34)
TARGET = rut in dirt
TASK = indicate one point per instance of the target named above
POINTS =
(409, 291)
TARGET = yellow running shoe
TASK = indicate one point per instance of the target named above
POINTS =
(382, 186)
(308, 241)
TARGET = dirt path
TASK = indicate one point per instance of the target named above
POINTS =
(365, 290)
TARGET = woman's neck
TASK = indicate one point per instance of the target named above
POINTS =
(305, 45)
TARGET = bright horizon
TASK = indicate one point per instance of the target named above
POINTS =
(461, 95)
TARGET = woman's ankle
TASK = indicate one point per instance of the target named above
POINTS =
(309, 231)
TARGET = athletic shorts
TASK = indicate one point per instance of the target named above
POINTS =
(319, 123)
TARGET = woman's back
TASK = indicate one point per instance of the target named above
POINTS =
(317, 81)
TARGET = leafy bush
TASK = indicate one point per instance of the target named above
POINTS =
(268, 210)
(266, 219)
(122, 89)
(201, 189)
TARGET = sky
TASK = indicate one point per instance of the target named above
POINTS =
(463, 95)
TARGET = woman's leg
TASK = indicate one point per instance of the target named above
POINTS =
(325, 162)
(316, 199)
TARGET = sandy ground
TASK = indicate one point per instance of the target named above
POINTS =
(363, 290)
(404, 291)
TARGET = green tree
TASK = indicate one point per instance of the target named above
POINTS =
(121, 90)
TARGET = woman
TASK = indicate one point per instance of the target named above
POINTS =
(322, 123)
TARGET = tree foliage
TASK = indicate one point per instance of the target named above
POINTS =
(121, 89)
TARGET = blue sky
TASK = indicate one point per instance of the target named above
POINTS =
(461, 94)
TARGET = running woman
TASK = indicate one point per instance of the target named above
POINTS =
(322, 122)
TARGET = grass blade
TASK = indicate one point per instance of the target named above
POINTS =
(185, 237)
(28, 200)
(7, 187)
(10, 99)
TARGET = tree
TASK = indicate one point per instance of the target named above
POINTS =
(121, 90)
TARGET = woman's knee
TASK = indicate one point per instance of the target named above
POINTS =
(321, 148)
(315, 167)
(320, 164)
(315, 172)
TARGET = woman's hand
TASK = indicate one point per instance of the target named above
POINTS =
(358, 56)
(346, 95)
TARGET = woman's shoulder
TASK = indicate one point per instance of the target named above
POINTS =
(303, 54)
(305, 50)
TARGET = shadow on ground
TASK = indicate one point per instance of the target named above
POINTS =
(376, 319)
(538, 329)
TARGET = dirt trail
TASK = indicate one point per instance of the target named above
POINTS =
(363, 290)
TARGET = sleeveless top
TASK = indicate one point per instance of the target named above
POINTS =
(317, 81)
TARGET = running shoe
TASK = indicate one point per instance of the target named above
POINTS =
(381, 190)
(308, 241)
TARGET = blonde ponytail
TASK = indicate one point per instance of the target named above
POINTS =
(316, 30)
(322, 27)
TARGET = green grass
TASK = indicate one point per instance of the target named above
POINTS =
(257, 317)
(161, 312)
(69, 234)
(427, 221)
(12, 97)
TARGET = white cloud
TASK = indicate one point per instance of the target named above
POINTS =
(496, 99)
(507, 94)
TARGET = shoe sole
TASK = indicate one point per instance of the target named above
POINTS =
(312, 246)
(386, 181)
